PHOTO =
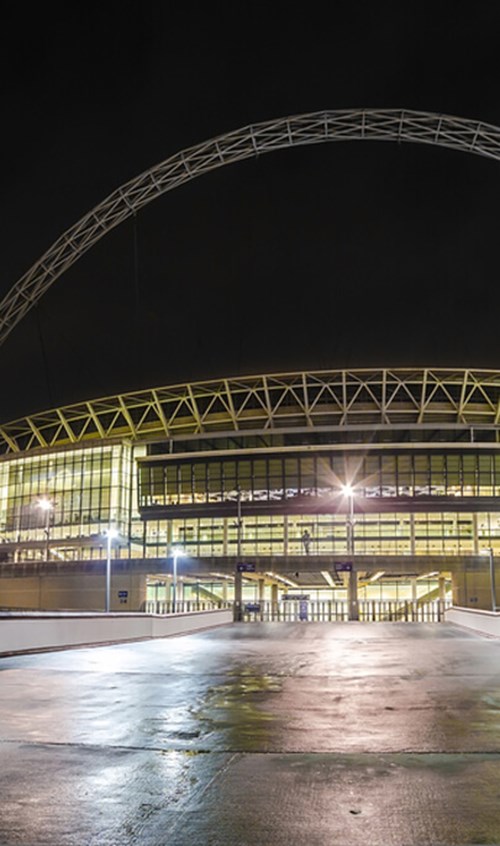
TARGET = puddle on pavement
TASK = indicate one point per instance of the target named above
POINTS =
(236, 707)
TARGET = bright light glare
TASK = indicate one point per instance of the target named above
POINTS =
(347, 490)
(45, 504)
(111, 533)
(177, 551)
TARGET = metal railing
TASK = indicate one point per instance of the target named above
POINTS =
(320, 611)
(161, 606)
(338, 611)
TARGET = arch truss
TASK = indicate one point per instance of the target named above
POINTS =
(328, 400)
(457, 133)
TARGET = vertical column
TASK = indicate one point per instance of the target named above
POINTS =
(224, 590)
(442, 595)
(475, 539)
(170, 534)
(352, 594)
(225, 535)
(274, 602)
(412, 534)
(414, 599)
(262, 584)
(238, 596)
(285, 534)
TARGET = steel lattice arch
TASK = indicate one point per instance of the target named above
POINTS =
(456, 133)
(396, 469)
(326, 400)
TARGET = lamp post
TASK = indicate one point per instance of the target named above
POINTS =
(238, 579)
(111, 534)
(348, 492)
(46, 505)
(177, 552)
(352, 594)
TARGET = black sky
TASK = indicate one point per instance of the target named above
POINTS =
(321, 257)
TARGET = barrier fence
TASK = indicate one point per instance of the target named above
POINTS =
(338, 611)
(160, 606)
(320, 611)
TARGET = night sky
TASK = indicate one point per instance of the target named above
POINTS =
(329, 256)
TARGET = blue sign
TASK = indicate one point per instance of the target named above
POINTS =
(345, 568)
(252, 606)
(246, 568)
(303, 609)
(122, 594)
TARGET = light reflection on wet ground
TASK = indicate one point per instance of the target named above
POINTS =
(260, 733)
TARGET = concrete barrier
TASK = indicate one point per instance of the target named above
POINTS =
(486, 622)
(35, 632)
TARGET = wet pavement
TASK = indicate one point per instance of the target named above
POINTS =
(279, 733)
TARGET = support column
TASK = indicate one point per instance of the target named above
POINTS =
(170, 535)
(412, 534)
(352, 594)
(225, 536)
(475, 538)
(238, 597)
(224, 590)
(274, 603)
(262, 585)
(442, 595)
(285, 534)
(414, 598)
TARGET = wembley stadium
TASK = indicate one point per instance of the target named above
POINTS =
(342, 486)
(299, 482)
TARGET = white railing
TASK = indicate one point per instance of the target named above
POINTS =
(340, 611)
(161, 606)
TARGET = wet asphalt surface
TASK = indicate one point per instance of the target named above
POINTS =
(269, 734)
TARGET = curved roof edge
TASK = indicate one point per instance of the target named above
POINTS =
(362, 397)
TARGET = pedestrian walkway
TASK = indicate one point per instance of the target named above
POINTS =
(269, 734)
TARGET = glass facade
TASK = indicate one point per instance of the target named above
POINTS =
(86, 491)
(395, 533)
(406, 503)
(278, 477)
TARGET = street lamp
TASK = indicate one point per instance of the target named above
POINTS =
(111, 534)
(177, 552)
(46, 504)
(348, 492)
(238, 579)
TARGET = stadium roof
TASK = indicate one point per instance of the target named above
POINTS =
(361, 398)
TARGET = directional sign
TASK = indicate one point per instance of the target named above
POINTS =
(252, 606)
(303, 609)
(343, 568)
(246, 568)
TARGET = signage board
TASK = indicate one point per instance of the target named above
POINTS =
(345, 567)
(123, 594)
(246, 568)
(303, 609)
(252, 606)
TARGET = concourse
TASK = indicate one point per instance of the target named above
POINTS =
(271, 733)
